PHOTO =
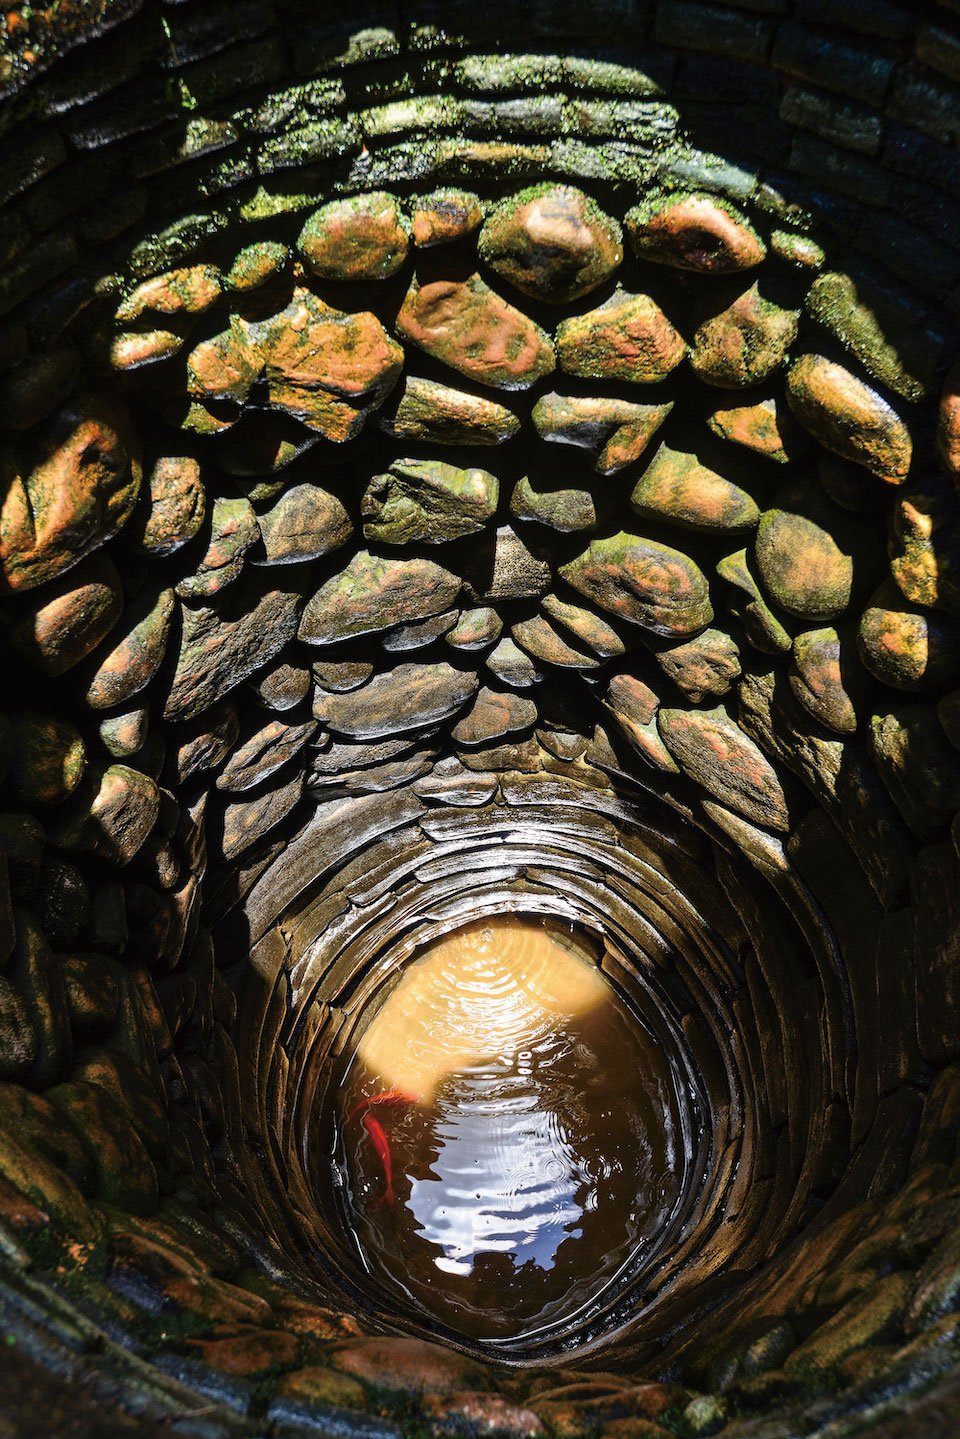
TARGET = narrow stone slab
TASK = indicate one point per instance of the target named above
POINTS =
(233, 531)
(712, 749)
(539, 638)
(176, 506)
(111, 815)
(466, 325)
(218, 652)
(615, 433)
(885, 334)
(408, 698)
(373, 594)
(134, 659)
(849, 418)
(694, 232)
(247, 821)
(634, 706)
(551, 242)
(427, 501)
(627, 338)
(823, 677)
(585, 626)
(426, 410)
(677, 488)
(493, 715)
(264, 753)
(643, 581)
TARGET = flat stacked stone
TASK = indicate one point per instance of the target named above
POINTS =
(438, 414)
(427, 502)
(677, 488)
(643, 581)
(372, 594)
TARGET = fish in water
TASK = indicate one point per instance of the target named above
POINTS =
(377, 1134)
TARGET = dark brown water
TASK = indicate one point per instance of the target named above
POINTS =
(509, 1133)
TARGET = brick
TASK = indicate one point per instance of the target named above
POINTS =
(256, 63)
(886, 19)
(940, 49)
(852, 175)
(858, 71)
(713, 82)
(852, 126)
(910, 153)
(932, 266)
(713, 28)
(132, 110)
(926, 102)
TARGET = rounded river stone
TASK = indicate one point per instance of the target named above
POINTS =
(643, 581)
(849, 417)
(551, 242)
(802, 566)
(627, 338)
(694, 232)
(362, 237)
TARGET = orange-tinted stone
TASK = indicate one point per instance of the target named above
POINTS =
(564, 510)
(113, 814)
(634, 706)
(539, 638)
(643, 581)
(427, 410)
(907, 649)
(744, 343)
(707, 665)
(233, 531)
(177, 505)
(551, 242)
(409, 1366)
(75, 489)
(48, 758)
(615, 432)
(757, 427)
(77, 612)
(802, 566)
(189, 291)
(924, 544)
(948, 424)
(247, 1350)
(493, 715)
(822, 677)
(677, 488)
(373, 593)
(627, 338)
(712, 749)
(445, 215)
(255, 265)
(359, 238)
(223, 367)
(482, 1414)
(134, 660)
(133, 349)
(585, 626)
(694, 232)
(320, 1386)
(849, 418)
(465, 325)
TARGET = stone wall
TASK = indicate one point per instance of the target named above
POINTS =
(449, 466)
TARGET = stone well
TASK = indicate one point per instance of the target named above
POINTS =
(461, 460)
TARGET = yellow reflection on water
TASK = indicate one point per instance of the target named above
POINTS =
(496, 986)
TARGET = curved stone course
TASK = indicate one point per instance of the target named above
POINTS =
(435, 485)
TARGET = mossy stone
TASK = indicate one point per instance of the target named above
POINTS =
(678, 489)
(849, 418)
(643, 581)
(362, 237)
(551, 242)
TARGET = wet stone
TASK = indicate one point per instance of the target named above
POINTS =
(563, 510)
(373, 594)
(488, 1414)
(408, 698)
(444, 215)
(585, 626)
(643, 581)
(849, 418)
(135, 349)
(924, 544)
(173, 508)
(758, 428)
(48, 758)
(476, 629)
(677, 488)
(305, 523)
(464, 324)
(712, 749)
(694, 232)
(262, 754)
(420, 633)
(905, 648)
(428, 411)
(627, 338)
(111, 815)
(75, 487)
(825, 678)
(541, 640)
(362, 237)
(800, 251)
(427, 501)
(517, 573)
(409, 1366)
(493, 715)
(802, 566)
(134, 659)
(615, 433)
(552, 243)
(705, 667)
(918, 766)
(745, 343)
(218, 652)
(72, 617)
